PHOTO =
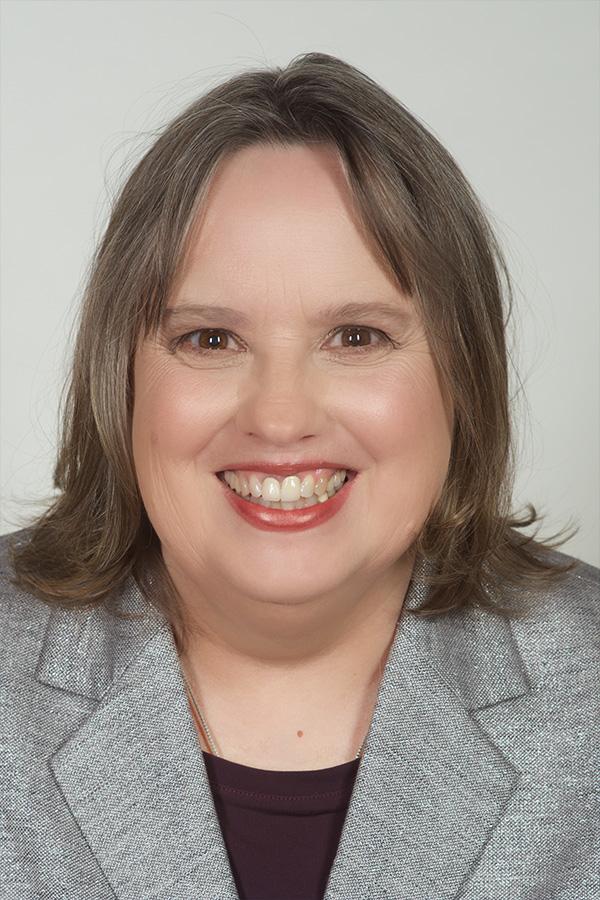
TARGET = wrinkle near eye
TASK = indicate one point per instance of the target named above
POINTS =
(378, 341)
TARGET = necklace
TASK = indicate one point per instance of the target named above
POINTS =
(204, 724)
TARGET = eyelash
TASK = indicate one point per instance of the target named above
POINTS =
(205, 352)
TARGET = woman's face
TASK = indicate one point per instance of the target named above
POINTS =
(279, 243)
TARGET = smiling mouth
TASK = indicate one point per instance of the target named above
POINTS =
(325, 494)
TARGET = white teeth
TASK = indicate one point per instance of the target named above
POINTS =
(302, 503)
(255, 485)
(271, 490)
(291, 493)
(289, 490)
(307, 487)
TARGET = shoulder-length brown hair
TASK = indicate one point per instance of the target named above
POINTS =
(428, 230)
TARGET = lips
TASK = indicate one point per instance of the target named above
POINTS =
(269, 518)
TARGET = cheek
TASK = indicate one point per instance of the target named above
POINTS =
(410, 428)
(169, 428)
(171, 419)
(409, 410)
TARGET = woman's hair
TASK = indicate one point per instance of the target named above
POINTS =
(428, 230)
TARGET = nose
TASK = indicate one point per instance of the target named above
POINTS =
(282, 404)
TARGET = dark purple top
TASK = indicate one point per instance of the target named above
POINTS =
(281, 829)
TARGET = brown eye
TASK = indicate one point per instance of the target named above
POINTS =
(356, 337)
(205, 340)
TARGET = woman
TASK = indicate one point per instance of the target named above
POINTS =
(279, 635)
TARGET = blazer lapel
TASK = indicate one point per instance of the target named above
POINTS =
(133, 773)
(429, 791)
(432, 785)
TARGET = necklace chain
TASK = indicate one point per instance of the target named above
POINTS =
(209, 736)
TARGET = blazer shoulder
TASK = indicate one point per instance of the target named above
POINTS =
(7, 541)
(23, 616)
(583, 572)
(579, 588)
(8, 588)
(561, 631)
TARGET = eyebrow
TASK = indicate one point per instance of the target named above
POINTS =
(234, 318)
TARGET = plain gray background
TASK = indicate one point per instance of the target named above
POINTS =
(510, 88)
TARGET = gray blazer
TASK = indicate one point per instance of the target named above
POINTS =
(479, 781)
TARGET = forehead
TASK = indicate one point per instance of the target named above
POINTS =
(278, 225)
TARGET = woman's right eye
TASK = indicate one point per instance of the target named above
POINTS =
(209, 336)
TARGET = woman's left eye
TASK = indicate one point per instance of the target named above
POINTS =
(356, 342)
(364, 328)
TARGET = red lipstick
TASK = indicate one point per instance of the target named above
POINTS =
(271, 519)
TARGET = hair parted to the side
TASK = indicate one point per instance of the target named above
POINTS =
(427, 228)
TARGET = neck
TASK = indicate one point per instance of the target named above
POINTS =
(309, 671)
(236, 636)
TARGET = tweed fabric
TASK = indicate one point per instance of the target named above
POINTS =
(480, 779)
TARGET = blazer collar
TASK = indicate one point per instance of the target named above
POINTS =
(429, 791)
